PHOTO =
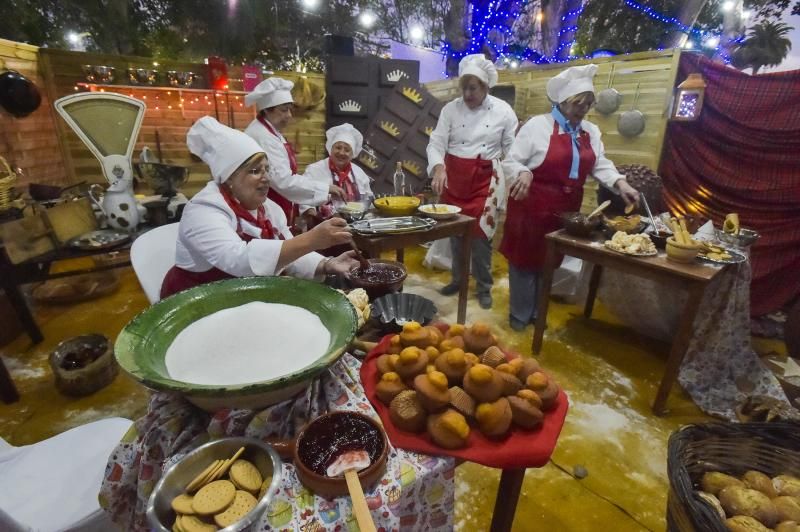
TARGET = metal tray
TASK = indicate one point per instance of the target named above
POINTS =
(100, 239)
(736, 258)
(397, 224)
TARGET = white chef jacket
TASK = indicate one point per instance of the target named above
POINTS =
(487, 131)
(320, 172)
(291, 186)
(533, 140)
(207, 238)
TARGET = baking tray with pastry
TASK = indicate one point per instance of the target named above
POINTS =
(719, 255)
(100, 239)
(452, 391)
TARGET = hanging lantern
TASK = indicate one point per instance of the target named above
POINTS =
(689, 98)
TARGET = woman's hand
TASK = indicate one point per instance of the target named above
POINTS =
(439, 179)
(519, 190)
(342, 264)
(330, 233)
(337, 192)
(628, 193)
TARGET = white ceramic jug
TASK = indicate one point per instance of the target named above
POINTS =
(117, 204)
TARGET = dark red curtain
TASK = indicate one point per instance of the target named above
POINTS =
(743, 155)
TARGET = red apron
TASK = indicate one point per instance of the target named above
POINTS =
(289, 208)
(552, 193)
(468, 182)
(179, 279)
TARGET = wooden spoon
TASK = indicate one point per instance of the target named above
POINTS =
(350, 463)
(364, 262)
(600, 208)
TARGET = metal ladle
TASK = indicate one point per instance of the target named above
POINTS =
(649, 212)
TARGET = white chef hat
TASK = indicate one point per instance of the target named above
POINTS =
(480, 67)
(269, 93)
(570, 82)
(223, 149)
(344, 133)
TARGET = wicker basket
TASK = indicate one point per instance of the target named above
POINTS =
(7, 180)
(772, 448)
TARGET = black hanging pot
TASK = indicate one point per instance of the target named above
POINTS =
(18, 95)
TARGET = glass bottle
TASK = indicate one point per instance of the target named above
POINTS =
(399, 180)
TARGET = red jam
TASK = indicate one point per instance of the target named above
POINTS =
(325, 439)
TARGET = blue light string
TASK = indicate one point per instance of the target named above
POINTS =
(491, 17)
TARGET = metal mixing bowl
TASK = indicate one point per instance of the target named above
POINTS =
(746, 237)
(160, 515)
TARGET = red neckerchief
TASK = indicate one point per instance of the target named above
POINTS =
(286, 145)
(343, 179)
(261, 221)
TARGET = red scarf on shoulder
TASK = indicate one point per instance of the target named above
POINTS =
(344, 180)
(261, 221)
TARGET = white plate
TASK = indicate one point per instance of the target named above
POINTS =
(649, 254)
(448, 211)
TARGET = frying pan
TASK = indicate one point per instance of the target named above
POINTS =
(631, 123)
(608, 99)
(18, 95)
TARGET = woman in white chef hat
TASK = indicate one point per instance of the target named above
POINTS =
(343, 143)
(551, 157)
(231, 228)
(273, 100)
(464, 153)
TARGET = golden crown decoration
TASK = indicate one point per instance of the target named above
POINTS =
(396, 75)
(428, 130)
(350, 106)
(368, 160)
(412, 94)
(412, 167)
(390, 128)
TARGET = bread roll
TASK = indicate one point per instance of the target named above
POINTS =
(756, 480)
(787, 526)
(788, 508)
(736, 500)
(713, 482)
(743, 523)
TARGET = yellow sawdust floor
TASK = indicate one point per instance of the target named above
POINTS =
(610, 373)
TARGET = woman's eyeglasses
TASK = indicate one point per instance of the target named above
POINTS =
(258, 170)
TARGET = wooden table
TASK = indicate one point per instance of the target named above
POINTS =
(693, 277)
(13, 276)
(460, 226)
(505, 505)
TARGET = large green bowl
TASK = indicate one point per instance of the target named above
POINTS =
(142, 345)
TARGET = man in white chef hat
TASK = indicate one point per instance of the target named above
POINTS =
(551, 158)
(343, 143)
(464, 153)
(231, 228)
(273, 100)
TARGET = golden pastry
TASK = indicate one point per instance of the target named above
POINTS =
(436, 335)
(453, 364)
(407, 413)
(545, 388)
(384, 363)
(433, 352)
(389, 386)
(494, 419)
(395, 346)
(526, 409)
(483, 383)
(511, 384)
(432, 391)
(527, 366)
(410, 363)
(448, 429)
(454, 342)
(479, 338)
(415, 335)
(472, 359)
(457, 329)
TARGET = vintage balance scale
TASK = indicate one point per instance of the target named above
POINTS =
(109, 125)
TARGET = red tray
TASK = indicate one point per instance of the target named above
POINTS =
(520, 449)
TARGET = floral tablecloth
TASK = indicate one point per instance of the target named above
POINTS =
(416, 493)
(720, 368)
